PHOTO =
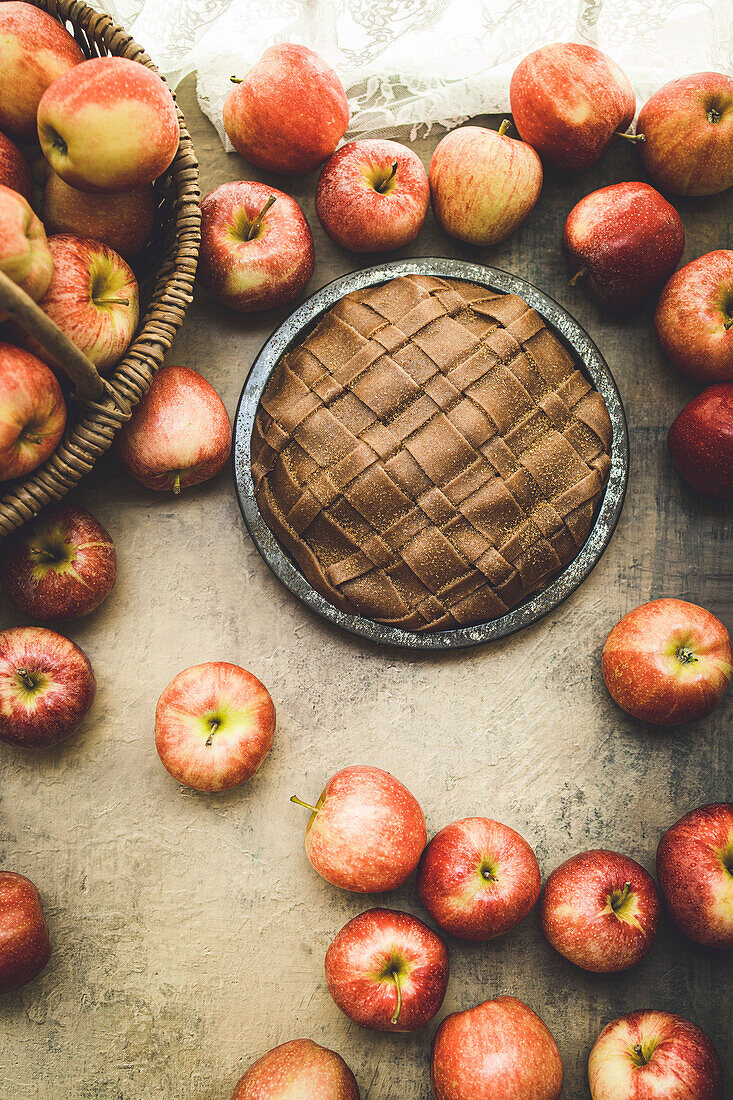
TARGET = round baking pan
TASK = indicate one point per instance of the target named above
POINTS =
(589, 360)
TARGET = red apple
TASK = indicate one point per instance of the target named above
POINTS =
(179, 434)
(14, 170)
(256, 247)
(32, 412)
(694, 318)
(214, 726)
(483, 183)
(499, 1050)
(667, 662)
(46, 687)
(123, 221)
(35, 49)
(373, 195)
(60, 566)
(92, 297)
(478, 878)
(25, 945)
(700, 441)
(687, 127)
(366, 832)
(111, 125)
(624, 240)
(568, 101)
(695, 872)
(300, 1068)
(387, 971)
(290, 111)
(654, 1056)
(600, 910)
(25, 256)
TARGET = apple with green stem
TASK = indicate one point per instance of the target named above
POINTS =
(300, 1068)
(694, 317)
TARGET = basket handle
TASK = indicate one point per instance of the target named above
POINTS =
(21, 308)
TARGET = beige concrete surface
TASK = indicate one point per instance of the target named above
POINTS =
(189, 930)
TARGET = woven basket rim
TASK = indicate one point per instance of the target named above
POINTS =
(91, 434)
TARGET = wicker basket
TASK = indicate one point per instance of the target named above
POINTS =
(102, 405)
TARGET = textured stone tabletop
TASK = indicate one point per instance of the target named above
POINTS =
(189, 930)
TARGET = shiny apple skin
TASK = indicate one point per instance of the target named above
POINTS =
(568, 100)
(700, 442)
(60, 566)
(214, 726)
(123, 220)
(368, 832)
(25, 944)
(646, 678)
(179, 434)
(695, 872)
(483, 184)
(267, 271)
(684, 150)
(14, 170)
(289, 112)
(32, 412)
(361, 963)
(694, 318)
(25, 256)
(358, 216)
(679, 1061)
(579, 916)
(62, 698)
(499, 1050)
(478, 878)
(299, 1068)
(629, 240)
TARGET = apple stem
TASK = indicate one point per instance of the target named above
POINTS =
(306, 805)
(506, 125)
(26, 677)
(111, 301)
(616, 905)
(630, 137)
(213, 727)
(236, 79)
(578, 275)
(642, 1061)
(398, 987)
(177, 484)
(46, 555)
(255, 227)
(392, 172)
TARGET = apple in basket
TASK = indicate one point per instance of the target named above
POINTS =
(178, 435)
(25, 255)
(300, 1068)
(483, 183)
(60, 566)
(123, 221)
(14, 169)
(35, 49)
(256, 246)
(568, 101)
(289, 112)
(46, 687)
(32, 412)
(694, 317)
(687, 132)
(700, 441)
(25, 945)
(110, 125)
(372, 195)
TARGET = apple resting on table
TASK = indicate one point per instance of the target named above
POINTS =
(654, 1056)
(110, 125)
(289, 112)
(687, 131)
(32, 412)
(214, 726)
(695, 872)
(568, 101)
(623, 241)
(366, 832)
(600, 910)
(25, 255)
(483, 183)
(694, 318)
(123, 220)
(256, 246)
(668, 662)
(46, 687)
(59, 566)
(25, 945)
(298, 1070)
(179, 434)
(700, 442)
(478, 878)
(499, 1050)
(387, 971)
(14, 170)
(372, 195)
